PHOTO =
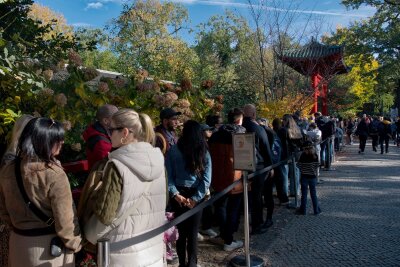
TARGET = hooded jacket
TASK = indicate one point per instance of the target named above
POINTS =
(98, 143)
(139, 167)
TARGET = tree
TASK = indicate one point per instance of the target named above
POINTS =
(46, 16)
(375, 38)
(275, 32)
(225, 45)
(26, 57)
(146, 36)
(100, 58)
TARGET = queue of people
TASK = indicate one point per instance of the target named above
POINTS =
(139, 172)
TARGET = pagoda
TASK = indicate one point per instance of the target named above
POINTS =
(321, 63)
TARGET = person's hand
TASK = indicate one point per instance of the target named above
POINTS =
(182, 201)
(191, 203)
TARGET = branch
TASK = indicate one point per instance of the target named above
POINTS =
(392, 2)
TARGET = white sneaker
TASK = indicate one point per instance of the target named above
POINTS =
(200, 237)
(234, 245)
(209, 232)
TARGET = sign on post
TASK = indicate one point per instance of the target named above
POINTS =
(243, 152)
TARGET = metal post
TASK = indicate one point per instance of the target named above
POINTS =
(246, 219)
(103, 252)
(247, 260)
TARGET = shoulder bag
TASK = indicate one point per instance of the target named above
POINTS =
(56, 245)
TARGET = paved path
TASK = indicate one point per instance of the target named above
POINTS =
(359, 224)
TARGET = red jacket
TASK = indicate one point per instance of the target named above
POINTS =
(98, 143)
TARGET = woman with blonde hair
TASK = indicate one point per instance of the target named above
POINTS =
(131, 198)
(291, 138)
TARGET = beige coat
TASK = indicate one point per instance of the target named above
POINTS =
(49, 189)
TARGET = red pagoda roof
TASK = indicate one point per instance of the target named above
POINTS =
(326, 60)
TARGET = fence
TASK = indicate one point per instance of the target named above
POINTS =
(104, 247)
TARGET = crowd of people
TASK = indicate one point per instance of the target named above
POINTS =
(141, 174)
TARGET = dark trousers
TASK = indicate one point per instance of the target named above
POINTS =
(256, 201)
(374, 141)
(227, 211)
(188, 229)
(207, 218)
(363, 142)
(384, 139)
(268, 195)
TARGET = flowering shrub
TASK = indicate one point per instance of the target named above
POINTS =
(72, 95)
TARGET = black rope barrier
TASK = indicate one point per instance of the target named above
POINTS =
(159, 230)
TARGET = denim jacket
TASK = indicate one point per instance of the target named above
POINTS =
(179, 176)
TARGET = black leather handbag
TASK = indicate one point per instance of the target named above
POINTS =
(56, 245)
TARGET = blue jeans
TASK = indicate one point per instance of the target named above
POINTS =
(294, 179)
(305, 184)
(285, 178)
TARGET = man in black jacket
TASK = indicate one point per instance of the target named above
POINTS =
(263, 159)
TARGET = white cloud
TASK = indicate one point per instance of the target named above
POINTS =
(81, 24)
(113, 1)
(95, 5)
(228, 3)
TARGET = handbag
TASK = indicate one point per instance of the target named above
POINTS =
(56, 245)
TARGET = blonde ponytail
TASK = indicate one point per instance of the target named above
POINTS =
(147, 134)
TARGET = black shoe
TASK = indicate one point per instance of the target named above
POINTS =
(318, 212)
(268, 223)
(259, 230)
(300, 212)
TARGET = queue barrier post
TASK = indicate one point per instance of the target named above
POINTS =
(103, 252)
(246, 260)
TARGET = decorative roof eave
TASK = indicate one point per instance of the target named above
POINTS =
(315, 58)
(313, 50)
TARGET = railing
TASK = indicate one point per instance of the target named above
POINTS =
(104, 247)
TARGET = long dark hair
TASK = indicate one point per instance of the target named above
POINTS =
(39, 137)
(193, 146)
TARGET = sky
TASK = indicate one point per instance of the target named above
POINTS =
(329, 13)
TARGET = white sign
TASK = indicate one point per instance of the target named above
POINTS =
(244, 152)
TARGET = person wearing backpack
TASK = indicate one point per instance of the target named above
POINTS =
(374, 132)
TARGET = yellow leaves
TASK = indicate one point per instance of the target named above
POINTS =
(48, 16)
(17, 99)
(287, 105)
(98, 102)
(9, 116)
(363, 77)
(80, 91)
